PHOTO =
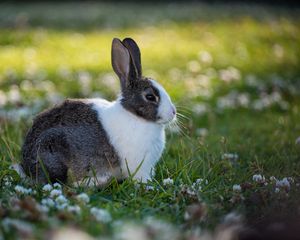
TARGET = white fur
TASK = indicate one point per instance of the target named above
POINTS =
(139, 143)
(166, 110)
(98, 180)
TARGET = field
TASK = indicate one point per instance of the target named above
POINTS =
(233, 73)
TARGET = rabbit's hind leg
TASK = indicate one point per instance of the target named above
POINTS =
(52, 155)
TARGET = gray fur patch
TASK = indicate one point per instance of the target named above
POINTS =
(133, 100)
(67, 138)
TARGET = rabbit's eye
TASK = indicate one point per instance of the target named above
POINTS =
(151, 97)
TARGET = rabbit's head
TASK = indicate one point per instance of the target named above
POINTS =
(140, 95)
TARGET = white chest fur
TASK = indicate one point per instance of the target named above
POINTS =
(139, 143)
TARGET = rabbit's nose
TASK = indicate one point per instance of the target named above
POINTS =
(173, 110)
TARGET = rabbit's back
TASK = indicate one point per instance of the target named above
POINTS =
(67, 137)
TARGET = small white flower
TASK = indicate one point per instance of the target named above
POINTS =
(61, 199)
(14, 95)
(194, 66)
(199, 181)
(237, 188)
(55, 192)
(20, 189)
(283, 183)
(7, 180)
(191, 192)
(57, 185)
(197, 184)
(205, 57)
(3, 98)
(168, 181)
(273, 179)
(101, 215)
(83, 197)
(62, 206)
(201, 132)
(48, 202)
(258, 178)
(200, 109)
(230, 74)
(291, 180)
(74, 209)
(277, 190)
(149, 188)
(47, 188)
(42, 208)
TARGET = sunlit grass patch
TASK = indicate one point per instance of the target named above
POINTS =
(234, 76)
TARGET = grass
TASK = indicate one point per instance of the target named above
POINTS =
(232, 71)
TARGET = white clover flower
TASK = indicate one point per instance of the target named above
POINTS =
(3, 98)
(196, 187)
(61, 199)
(20, 189)
(230, 74)
(168, 181)
(273, 179)
(14, 95)
(101, 215)
(201, 132)
(283, 183)
(191, 192)
(258, 178)
(83, 197)
(57, 185)
(62, 206)
(243, 99)
(42, 208)
(200, 109)
(47, 188)
(7, 180)
(237, 188)
(48, 202)
(291, 179)
(74, 209)
(194, 66)
(225, 102)
(149, 188)
(197, 184)
(55, 192)
(199, 180)
(205, 57)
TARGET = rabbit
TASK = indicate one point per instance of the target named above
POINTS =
(96, 140)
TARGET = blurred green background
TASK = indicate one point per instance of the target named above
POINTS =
(232, 70)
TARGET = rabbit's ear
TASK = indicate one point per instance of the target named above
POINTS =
(135, 54)
(120, 60)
